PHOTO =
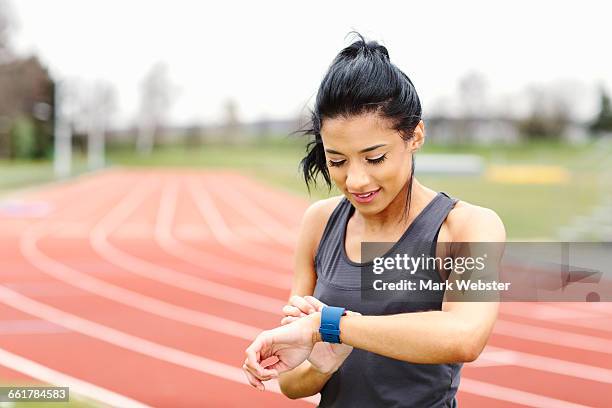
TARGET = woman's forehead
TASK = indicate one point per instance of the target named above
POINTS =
(357, 132)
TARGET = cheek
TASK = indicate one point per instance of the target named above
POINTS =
(396, 173)
(337, 174)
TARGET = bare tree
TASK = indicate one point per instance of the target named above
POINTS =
(549, 113)
(5, 27)
(473, 95)
(472, 89)
(102, 103)
(231, 122)
(155, 100)
(87, 108)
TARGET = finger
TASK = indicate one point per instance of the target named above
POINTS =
(267, 376)
(301, 304)
(278, 367)
(316, 303)
(253, 355)
(289, 310)
(288, 319)
(350, 313)
(251, 379)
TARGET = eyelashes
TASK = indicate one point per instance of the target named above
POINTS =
(376, 160)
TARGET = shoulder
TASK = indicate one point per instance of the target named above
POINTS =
(471, 223)
(318, 213)
(314, 220)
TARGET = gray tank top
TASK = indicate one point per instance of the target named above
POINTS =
(367, 379)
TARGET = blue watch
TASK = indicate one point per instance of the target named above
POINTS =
(330, 323)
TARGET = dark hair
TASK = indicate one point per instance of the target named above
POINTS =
(361, 79)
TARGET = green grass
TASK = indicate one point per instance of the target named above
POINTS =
(528, 211)
(18, 174)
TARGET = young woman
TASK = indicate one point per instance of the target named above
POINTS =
(367, 126)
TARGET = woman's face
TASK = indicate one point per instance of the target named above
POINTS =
(367, 159)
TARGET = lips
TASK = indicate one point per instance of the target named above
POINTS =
(365, 197)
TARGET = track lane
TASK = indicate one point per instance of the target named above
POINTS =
(480, 368)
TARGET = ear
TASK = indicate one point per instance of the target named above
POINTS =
(418, 137)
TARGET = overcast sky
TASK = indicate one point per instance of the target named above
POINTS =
(271, 55)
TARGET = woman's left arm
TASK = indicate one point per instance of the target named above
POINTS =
(457, 333)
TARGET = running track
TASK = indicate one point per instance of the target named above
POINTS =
(143, 288)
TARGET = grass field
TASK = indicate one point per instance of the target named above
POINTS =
(529, 211)
(21, 174)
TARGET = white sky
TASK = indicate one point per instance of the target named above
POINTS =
(271, 55)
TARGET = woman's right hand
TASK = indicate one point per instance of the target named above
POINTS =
(325, 357)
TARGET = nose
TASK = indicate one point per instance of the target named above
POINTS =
(357, 179)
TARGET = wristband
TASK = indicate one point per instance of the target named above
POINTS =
(330, 323)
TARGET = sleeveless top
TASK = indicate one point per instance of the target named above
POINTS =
(367, 379)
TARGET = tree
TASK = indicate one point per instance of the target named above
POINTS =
(473, 95)
(27, 95)
(5, 26)
(472, 103)
(549, 114)
(603, 121)
(155, 100)
(231, 125)
(102, 103)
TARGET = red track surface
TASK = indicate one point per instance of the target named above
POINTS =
(149, 285)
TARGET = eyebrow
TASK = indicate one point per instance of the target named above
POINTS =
(367, 149)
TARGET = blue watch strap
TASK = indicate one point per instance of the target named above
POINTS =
(330, 323)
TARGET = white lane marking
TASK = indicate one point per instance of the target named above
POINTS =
(29, 326)
(44, 289)
(125, 340)
(553, 336)
(50, 376)
(243, 270)
(130, 298)
(513, 395)
(554, 314)
(268, 223)
(213, 217)
(489, 358)
(150, 270)
(551, 365)
(597, 308)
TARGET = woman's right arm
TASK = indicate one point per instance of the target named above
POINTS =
(305, 380)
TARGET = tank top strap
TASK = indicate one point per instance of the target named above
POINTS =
(332, 234)
(426, 226)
